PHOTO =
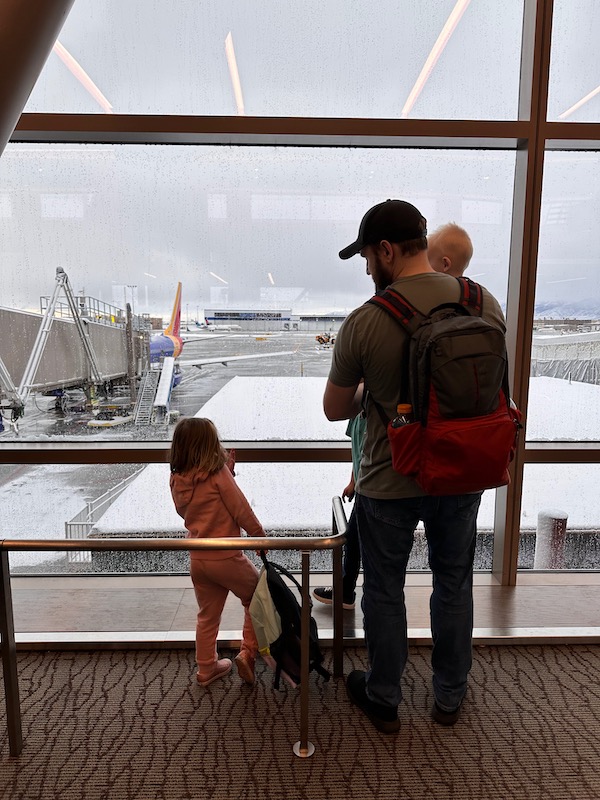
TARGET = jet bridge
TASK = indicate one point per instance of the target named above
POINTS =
(94, 345)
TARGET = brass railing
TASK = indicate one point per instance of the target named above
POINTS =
(305, 544)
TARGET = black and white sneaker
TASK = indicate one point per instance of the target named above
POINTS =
(324, 594)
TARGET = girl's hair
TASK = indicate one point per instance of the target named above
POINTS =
(196, 445)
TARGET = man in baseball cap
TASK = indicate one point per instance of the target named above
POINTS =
(370, 351)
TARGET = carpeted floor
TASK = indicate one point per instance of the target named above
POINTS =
(134, 725)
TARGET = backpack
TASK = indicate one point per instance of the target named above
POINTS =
(455, 376)
(284, 622)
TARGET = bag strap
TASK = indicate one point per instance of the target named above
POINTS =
(283, 571)
(409, 318)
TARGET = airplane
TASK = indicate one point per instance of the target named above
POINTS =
(170, 342)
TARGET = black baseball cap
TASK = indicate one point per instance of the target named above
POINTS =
(394, 220)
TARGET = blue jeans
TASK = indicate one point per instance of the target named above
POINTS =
(386, 531)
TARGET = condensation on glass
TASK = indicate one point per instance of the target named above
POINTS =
(249, 231)
(446, 60)
(560, 517)
(69, 501)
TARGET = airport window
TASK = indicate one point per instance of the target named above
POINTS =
(574, 89)
(133, 501)
(151, 225)
(565, 368)
(560, 518)
(456, 60)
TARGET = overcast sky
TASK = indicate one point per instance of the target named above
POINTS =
(270, 221)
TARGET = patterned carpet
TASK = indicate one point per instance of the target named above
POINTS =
(134, 725)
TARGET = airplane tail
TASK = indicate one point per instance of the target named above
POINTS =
(172, 328)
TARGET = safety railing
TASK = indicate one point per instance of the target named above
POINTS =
(305, 544)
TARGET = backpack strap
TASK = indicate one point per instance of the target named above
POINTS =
(471, 296)
(409, 319)
(398, 307)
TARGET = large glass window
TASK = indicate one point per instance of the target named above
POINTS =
(130, 501)
(253, 234)
(565, 387)
(449, 60)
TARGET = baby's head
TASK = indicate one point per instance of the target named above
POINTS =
(196, 445)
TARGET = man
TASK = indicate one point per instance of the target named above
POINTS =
(388, 506)
(450, 249)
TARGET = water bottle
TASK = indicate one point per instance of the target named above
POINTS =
(403, 415)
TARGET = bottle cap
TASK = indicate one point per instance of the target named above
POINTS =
(404, 408)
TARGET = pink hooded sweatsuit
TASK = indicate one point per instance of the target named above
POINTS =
(214, 506)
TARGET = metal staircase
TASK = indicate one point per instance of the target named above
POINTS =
(145, 402)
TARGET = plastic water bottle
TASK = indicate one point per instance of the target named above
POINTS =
(403, 415)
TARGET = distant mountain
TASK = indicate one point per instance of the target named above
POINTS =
(582, 309)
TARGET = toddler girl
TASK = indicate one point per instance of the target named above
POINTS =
(212, 505)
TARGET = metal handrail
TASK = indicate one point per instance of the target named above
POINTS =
(305, 544)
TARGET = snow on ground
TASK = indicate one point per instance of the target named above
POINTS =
(272, 409)
(563, 411)
(283, 496)
(35, 505)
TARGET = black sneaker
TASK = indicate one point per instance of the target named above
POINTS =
(444, 717)
(324, 594)
(384, 718)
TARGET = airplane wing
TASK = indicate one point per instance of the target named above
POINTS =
(194, 337)
(199, 362)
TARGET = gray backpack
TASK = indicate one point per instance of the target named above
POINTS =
(455, 376)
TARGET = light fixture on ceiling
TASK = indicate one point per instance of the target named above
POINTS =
(579, 103)
(84, 79)
(234, 75)
(436, 51)
(219, 278)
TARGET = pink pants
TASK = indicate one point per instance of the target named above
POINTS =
(213, 580)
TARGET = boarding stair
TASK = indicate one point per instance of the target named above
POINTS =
(145, 403)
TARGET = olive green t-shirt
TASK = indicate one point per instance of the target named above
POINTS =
(371, 345)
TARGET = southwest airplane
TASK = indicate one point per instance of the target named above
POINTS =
(170, 343)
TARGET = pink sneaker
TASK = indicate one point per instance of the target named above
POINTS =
(220, 669)
(245, 666)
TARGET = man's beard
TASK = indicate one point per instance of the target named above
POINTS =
(383, 279)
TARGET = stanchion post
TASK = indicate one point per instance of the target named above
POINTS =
(9, 660)
(338, 615)
(304, 748)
